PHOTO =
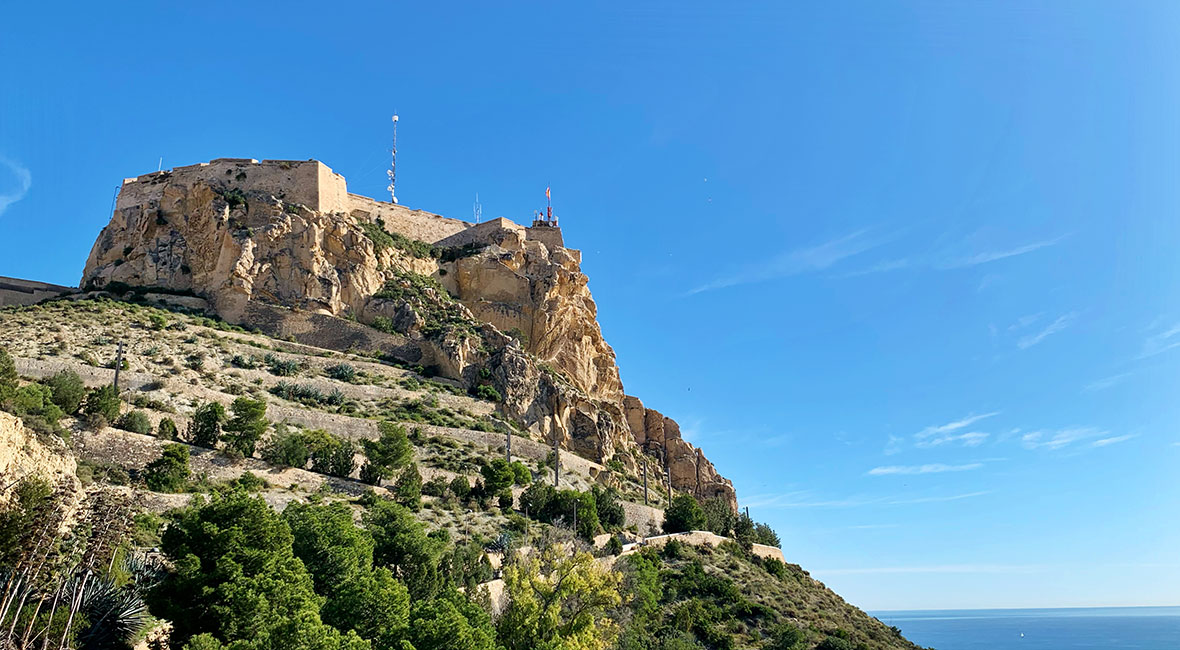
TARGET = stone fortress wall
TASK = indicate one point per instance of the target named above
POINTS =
(315, 185)
(27, 292)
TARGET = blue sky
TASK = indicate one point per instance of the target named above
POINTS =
(907, 271)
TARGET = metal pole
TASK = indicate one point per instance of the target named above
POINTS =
(118, 364)
(508, 446)
(646, 481)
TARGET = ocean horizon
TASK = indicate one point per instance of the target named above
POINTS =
(1058, 628)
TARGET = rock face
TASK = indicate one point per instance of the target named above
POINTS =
(494, 303)
(22, 455)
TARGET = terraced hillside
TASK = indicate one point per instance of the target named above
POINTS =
(210, 420)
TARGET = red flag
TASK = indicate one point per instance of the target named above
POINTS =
(547, 197)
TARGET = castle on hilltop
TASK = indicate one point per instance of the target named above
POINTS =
(314, 185)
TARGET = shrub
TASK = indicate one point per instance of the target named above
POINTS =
(281, 367)
(205, 428)
(520, 473)
(287, 448)
(497, 476)
(785, 636)
(135, 422)
(166, 429)
(460, 487)
(610, 511)
(8, 375)
(764, 534)
(719, 517)
(170, 471)
(157, 322)
(684, 514)
(250, 482)
(504, 499)
(614, 545)
(389, 452)
(244, 362)
(68, 390)
(435, 487)
(341, 372)
(35, 400)
(306, 394)
(103, 401)
(489, 393)
(329, 454)
(834, 643)
(408, 488)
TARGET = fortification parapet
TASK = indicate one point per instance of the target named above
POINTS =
(307, 182)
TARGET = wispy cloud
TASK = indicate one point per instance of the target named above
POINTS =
(1162, 341)
(1106, 382)
(806, 499)
(953, 432)
(894, 445)
(953, 497)
(995, 255)
(1056, 326)
(1053, 440)
(929, 468)
(802, 260)
(941, 568)
(1112, 440)
(24, 180)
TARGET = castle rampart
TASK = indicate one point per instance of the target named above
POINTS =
(314, 184)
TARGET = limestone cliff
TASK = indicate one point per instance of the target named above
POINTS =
(494, 303)
(23, 455)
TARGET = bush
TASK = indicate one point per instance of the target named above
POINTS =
(504, 499)
(286, 448)
(157, 322)
(391, 451)
(460, 487)
(205, 428)
(489, 393)
(435, 487)
(614, 545)
(250, 482)
(408, 488)
(329, 454)
(610, 511)
(68, 390)
(834, 643)
(786, 636)
(520, 473)
(103, 401)
(306, 394)
(35, 401)
(169, 472)
(135, 422)
(8, 375)
(281, 367)
(683, 515)
(166, 429)
(341, 372)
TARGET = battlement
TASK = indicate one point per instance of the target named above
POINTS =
(313, 184)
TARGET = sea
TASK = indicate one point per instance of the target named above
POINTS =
(1097, 628)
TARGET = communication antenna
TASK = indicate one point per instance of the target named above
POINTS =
(392, 173)
(477, 208)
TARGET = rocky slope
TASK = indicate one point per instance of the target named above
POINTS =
(503, 311)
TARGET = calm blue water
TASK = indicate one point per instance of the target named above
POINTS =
(1102, 628)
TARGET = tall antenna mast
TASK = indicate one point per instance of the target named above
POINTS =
(477, 208)
(392, 173)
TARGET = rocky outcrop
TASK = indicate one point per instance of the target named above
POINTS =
(494, 306)
(23, 455)
(686, 465)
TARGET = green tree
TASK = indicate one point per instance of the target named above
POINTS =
(204, 430)
(329, 454)
(521, 474)
(103, 401)
(558, 600)
(610, 511)
(247, 425)
(497, 475)
(684, 514)
(68, 390)
(400, 543)
(719, 517)
(236, 578)
(166, 430)
(391, 451)
(287, 446)
(451, 622)
(27, 504)
(764, 534)
(37, 401)
(408, 488)
(170, 471)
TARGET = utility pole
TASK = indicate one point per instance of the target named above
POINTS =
(118, 364)
(645, 502)
(508, 446)
(477, 209)
(668, 473)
